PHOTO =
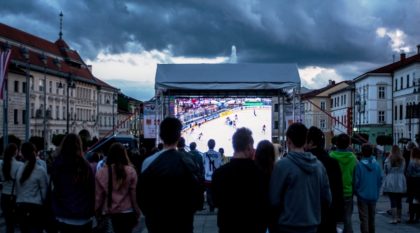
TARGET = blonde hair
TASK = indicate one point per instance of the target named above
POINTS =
(396, 158)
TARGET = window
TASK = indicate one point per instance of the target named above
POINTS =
(322, 105)
(23, 87)
(24, 117)
(381, 92)
(395, 113)
(64, 113)
(381, 117)
(322, 124)
(408, 81)
(342, 100)
(15, 116)
(57, 112)
(345, 99)
(396, 84)
(16, 86)
(32, 110)
(276, 107)
(41, 85)
(50, 87)
(401, 112)
(401, 84)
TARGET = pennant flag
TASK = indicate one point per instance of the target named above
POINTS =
(4, 61)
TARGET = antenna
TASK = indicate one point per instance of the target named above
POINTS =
(61, 26)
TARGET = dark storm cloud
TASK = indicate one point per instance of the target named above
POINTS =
(324, 33)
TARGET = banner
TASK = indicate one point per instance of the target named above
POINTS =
(150, 121)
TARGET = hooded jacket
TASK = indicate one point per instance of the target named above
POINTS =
(298, 183)
(347, 161)
(367, 180)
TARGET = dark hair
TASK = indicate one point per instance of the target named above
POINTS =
(29, 154)
(95, 157)
(9, 153)
(367, 150)
(264, 156)
(221, 150)
(193, 146)
(241, 139)
(181, 142)
(316, 136)
(71, 152)
(117, 156)
(296, 134)
(211, 143)
(170, 130)
(415, 153)
(159, 146)
(343, 141)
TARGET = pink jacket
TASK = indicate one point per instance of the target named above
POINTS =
(123, 198)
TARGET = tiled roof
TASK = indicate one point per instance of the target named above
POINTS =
(316, 92)
(390, 68)
(70, 60)
(104, 84)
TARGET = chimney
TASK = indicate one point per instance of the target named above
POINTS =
(402, 56)
(331, 82)
(418, 49)
(90, 68)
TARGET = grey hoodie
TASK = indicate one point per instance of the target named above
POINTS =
(299, 184)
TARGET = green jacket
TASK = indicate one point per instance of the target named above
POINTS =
(348, 162)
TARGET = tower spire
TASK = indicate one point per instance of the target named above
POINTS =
(61, 26)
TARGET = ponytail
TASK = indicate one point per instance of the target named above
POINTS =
(28, 152)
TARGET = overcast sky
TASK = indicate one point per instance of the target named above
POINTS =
(124, 40)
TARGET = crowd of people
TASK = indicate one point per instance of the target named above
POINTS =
(306, 189)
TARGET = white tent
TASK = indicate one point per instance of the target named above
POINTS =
(226, 77)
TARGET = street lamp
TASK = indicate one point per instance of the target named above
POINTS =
(45, 135)
(70, 84)
(25, 54)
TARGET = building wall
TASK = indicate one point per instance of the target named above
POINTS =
(340, 104)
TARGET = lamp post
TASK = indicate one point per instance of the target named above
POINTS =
(25, 54)
(45, 135)
(72, 85)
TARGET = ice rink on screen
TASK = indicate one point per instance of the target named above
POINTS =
(218, 130)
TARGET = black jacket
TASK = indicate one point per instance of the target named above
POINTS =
(167, 193)
(334, 213)
(240, 194)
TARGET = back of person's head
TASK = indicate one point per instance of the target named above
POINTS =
(211, 144)
(181, 143)
(221, 151)
(296, 133)
(415, 154)
(170, 130)
(28, 151)
(367, 150)
(316, 137)
(265, 156)
(343, 141)
(410, 146)
(8, 155)
(396, 158)
(71, 147)
(193, 146)
(242, 139)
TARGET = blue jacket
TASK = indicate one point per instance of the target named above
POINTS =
(368, 180)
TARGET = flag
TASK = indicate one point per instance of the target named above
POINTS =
(4, 61)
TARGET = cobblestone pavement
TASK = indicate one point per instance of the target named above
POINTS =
(206, 222)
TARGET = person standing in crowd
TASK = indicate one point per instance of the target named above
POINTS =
(31, 191)
(167, 189)
(264, 159)
(299, 187)
(367, 186)
(73, 195)
(413, 186)
(347, 161)
(315, 143)
(395, 182)
(116, 190)
(198, 160)
(238, 190)
(407, 153)
(212, 160)
(9, 167)
(224, 158)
